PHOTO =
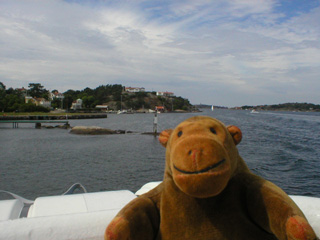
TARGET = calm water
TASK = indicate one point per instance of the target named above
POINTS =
(281, 147)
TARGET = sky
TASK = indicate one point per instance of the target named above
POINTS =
(222, 52)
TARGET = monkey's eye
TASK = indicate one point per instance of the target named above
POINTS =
(213, 130)
(179, 133)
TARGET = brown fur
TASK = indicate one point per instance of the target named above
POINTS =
(208, 192)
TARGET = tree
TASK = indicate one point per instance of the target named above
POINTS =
(117, 91)
(2, 96)
(181, 103)
(88, 91)
(12, 100)
(69, 97)
(38, 91)
(2, 86)
(88, 101)
(56, 103)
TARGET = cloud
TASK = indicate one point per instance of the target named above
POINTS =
(245, 52)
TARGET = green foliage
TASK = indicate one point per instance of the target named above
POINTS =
(38, 91)
(2, 98)
(10, 100)
(68, 98)
(175, 103)
(2, 86)
(112, 95)
(247, 107)
(287, 107)
(56, 103)
(181, 103)
(30, 107)
(93, 97)
(88, 101)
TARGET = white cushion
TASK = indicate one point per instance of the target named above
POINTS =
(80, 203)
(10, 209)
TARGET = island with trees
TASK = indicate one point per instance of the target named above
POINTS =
(105, 97)
(302, 107)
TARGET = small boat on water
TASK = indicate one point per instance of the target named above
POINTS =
(212, 107)
(122, 112)
(254, 111)
(86, 215)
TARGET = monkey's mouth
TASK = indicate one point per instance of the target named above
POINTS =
(207, 169)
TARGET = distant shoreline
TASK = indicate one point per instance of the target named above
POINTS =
(293, 107)
(277, 110)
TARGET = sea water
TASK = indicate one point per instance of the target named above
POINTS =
(283, 147)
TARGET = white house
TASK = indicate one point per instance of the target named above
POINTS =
(43, 102)
(77, 104)
(57, 95)
(134, 89)
(165, 94)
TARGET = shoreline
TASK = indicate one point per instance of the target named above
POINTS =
(49, 116)
(70, 115)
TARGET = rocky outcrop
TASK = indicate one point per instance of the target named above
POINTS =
(93, 130)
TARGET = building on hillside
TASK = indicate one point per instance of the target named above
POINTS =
(43, 102)
(38, 101)
(160, 108)
(103, 107)
(134, 89)
(56, 95)
(28, 99)
(165, 94)
(76, 104)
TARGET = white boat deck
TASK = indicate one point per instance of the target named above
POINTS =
(86, 216)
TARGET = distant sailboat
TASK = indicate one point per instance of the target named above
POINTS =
(212, 107)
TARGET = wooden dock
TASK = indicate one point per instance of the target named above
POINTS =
(15, 123)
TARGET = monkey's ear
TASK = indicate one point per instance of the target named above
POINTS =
(164, 137)
(235, 133)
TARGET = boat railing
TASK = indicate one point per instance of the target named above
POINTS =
(74, 187)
